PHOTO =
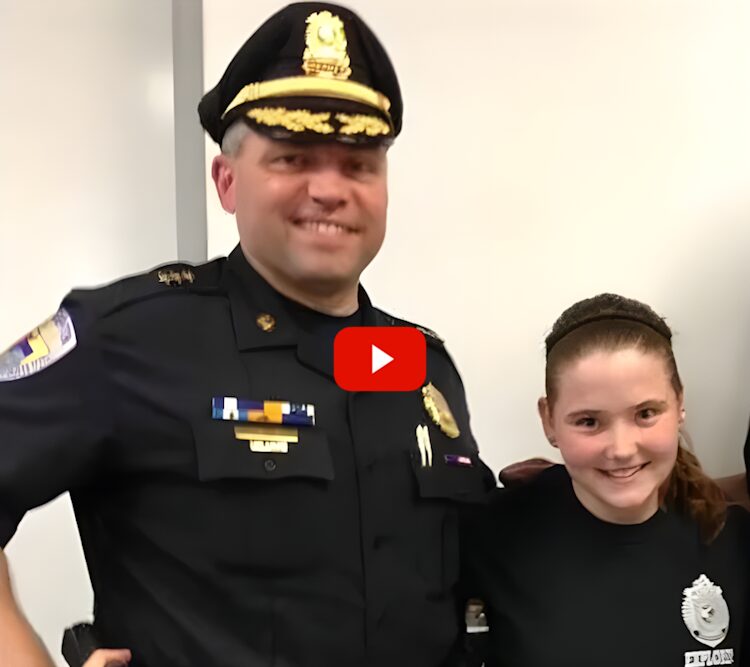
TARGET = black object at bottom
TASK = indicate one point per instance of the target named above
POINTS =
(79, 642)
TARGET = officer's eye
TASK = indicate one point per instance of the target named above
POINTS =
(365, 163)
(289, 160)
(361, 167)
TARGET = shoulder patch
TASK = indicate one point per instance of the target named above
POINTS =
(45, 345)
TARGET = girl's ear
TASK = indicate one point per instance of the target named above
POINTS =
(544, 414)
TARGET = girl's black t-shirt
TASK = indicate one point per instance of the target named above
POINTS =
(565, 589)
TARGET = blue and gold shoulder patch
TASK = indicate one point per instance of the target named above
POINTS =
(45, 345)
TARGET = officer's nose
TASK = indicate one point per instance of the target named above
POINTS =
(327, 187)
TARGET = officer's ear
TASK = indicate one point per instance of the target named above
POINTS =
(222, 172)
(546, 417)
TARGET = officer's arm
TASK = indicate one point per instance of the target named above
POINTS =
(521, 472)
(19, 644)
(55, 416)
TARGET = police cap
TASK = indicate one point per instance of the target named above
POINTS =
(312, 72)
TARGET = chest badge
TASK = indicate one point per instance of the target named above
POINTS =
(438, 410)
(705, 612)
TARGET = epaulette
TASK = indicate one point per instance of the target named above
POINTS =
(165, 280)
(199, 279)
(429, 334)
(61, 333)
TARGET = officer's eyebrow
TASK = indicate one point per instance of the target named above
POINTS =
(577, 414)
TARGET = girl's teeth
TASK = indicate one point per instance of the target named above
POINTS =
(624, 472)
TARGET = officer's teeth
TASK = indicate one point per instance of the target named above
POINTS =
(324, 227)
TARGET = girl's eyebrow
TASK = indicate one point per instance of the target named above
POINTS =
(654, 402)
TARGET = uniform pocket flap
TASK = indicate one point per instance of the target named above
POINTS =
(222, 456)
(452, 480)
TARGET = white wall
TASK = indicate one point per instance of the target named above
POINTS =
(554, 149)
(87, 194)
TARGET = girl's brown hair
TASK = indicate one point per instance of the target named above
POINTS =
(609, 322)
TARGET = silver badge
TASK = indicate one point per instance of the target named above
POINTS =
(705, 612)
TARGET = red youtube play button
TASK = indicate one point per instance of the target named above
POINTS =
(379, 359)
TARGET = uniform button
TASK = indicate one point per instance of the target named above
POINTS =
(269, 465)
(266, 322)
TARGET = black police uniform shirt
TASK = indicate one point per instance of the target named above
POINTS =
(564, 589)
(344, 551)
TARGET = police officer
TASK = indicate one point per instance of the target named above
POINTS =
(236, 507)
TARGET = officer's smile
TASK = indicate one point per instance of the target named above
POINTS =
(324, 227)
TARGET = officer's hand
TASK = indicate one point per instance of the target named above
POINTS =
(6, 592)
(109, 657)
(523, 471)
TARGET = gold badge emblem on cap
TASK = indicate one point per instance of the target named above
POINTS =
(325, 47)
(439, 411)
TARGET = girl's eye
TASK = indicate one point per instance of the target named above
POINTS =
(586, 422)
(647, 414)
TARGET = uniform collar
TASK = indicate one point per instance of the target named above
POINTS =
(251, 298)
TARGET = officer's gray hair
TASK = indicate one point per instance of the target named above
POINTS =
(234, 137)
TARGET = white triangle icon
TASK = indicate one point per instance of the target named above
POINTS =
(379, 359)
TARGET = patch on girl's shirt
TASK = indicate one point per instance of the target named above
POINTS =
(45, 345)
(706, 617)
(715, 657)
